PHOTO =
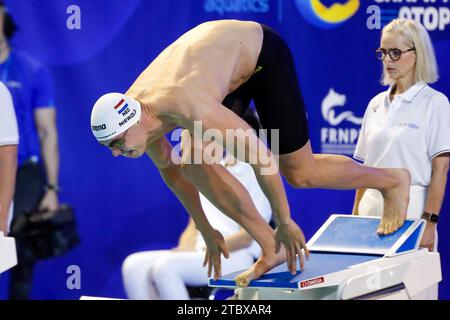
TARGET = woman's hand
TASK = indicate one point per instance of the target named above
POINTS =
(428, 236)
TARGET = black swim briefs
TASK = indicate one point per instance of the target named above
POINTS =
(276, 94)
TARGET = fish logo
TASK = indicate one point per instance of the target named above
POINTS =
(319, 15)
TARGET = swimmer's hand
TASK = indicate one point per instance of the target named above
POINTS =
(291, 236)
(215, 245)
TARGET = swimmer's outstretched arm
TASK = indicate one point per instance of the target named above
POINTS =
(160, 152)
(217, 117)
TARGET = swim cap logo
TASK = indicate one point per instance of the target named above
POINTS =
(99, 127)
(319, 15)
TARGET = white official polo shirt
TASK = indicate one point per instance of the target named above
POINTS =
(407, 132)
(9, 135)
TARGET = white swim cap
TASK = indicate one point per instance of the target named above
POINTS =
(113, 114)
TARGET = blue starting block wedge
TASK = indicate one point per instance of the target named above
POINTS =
(357, 235)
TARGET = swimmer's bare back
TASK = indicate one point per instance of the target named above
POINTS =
(205, 63)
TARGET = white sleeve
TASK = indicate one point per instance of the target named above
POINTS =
(361, 145)
(438, 133)
(9, 133)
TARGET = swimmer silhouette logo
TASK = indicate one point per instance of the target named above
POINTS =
(326, 17)
(338, 139)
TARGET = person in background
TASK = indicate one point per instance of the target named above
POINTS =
(408, 126)
(9, 139)
(38, 158)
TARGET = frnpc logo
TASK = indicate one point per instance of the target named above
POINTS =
(320, 15)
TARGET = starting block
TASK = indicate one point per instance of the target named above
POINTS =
(348, 260)
(8, 255)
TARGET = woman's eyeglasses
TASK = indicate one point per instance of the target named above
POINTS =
(394, 53)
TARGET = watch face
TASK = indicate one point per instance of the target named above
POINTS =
(430, 217)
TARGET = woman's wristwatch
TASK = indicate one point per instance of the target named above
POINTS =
(434, 218)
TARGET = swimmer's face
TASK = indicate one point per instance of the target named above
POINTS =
(130, 144)
(404, 63)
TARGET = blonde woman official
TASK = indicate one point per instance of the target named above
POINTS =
(408, 126)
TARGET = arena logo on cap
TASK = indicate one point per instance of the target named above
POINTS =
(99, 127)
(320, 15)
(123, 110)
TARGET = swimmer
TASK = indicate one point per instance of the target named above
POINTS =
(186, 85)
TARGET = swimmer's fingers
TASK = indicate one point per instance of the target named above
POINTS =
(299, 253)
(224, 250)
(217, 266)
(210, 265)
(292, 259)
(205, 260)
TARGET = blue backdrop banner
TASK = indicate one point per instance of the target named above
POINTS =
(122, 205)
